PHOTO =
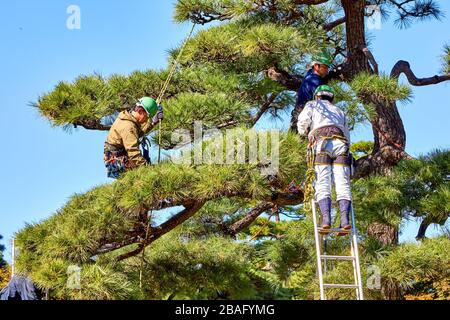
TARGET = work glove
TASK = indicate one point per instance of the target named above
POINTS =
(159, 116)
(337, 73)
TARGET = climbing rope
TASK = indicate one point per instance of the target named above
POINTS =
(175, 63)
(144, 243)
(166, 85)
(158, 101)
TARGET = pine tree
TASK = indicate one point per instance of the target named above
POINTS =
(230, 75)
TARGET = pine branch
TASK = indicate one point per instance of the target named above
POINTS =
(203, 12)
(191, 208)
(415, 9)
(446, 60)
(279, 199)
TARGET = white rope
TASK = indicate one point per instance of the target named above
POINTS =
(166, 85)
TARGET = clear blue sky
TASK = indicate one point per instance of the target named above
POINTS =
(43, 166)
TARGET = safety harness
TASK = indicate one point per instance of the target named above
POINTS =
(145, 145)
(320, 141)
(116, 160)
(319, 156)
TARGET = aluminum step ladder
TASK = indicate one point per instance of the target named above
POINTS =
(322, 256)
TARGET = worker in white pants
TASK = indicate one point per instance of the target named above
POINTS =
(328, 133)
(326, 173)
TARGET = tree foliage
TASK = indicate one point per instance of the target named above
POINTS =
(409, 11)
(446, 59)
(223, 243)
(415, 189)
(421, 269)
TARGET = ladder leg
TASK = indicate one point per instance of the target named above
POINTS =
(358, 268)
(355, 274)
(325, 242)
(318, 254)
(356, 253)
(320, 240)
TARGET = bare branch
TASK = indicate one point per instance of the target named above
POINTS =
(371, 59)
(175, 221)
(91, 125)
(169, 225)
(277, 199)
(291, 82)
(266, 106)
(404, 67)
(230, 123)
(331, 25)
(422, 230)
(131, 253)
(250, 217)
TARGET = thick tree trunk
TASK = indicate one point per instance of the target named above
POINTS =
(422, 230)
(388, 129)
(389, 132)
(389, 138)
(387, 235)
(356, 38)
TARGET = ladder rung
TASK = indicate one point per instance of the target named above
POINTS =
(325, 257)
(343, 286)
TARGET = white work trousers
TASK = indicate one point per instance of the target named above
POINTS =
(325, 174)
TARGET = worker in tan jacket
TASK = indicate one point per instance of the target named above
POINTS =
(122, 152)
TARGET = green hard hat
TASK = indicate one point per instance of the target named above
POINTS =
(323, 58)
(149, 105)
(324, 90)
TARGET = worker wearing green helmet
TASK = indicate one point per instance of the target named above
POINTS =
(122, 150)
(149, 104)
(325, 91)
(322, 59)
(316, 76)
(328, 132)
